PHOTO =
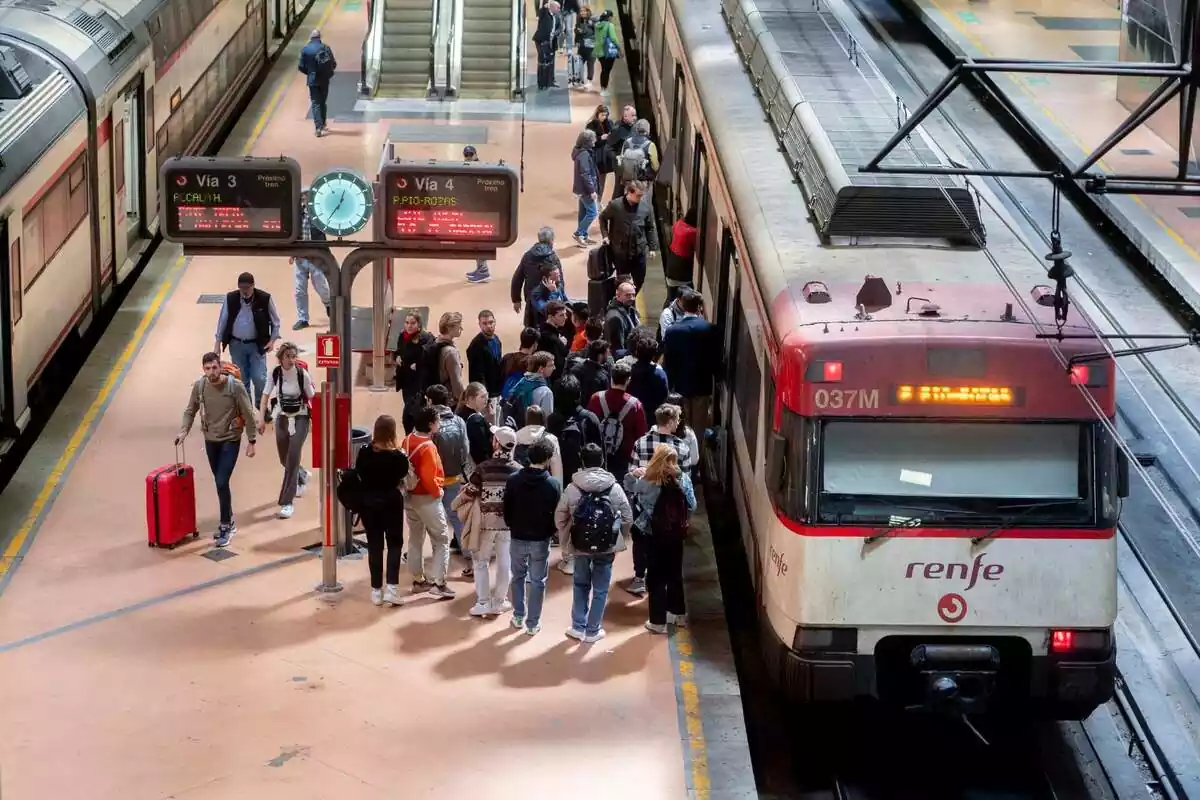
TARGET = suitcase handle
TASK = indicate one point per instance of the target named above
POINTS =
(180, 454)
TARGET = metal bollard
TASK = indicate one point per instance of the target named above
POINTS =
(329, 544)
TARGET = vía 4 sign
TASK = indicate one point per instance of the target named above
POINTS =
(329, 350)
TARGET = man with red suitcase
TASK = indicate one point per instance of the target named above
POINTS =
(225, 413)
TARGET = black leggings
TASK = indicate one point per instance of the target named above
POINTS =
(384, 526)
(606, 65)
(589, 59)
(664, 578)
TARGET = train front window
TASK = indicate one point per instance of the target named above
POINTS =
(947, 472)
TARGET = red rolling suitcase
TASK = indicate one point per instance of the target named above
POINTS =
(171, 504)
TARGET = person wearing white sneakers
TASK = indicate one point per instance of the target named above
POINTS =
(487, 484)
(382, 467)
(292, 388)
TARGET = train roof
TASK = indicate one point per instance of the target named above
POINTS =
(788, 254)
(73, 51)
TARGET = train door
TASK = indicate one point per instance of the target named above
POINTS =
(128, 170)
(681, 133)
(725, 316)
(11, 300)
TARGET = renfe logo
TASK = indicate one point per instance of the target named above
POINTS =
(937, 571)
(778, 563)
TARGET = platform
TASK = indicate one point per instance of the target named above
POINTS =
(128, 672)
(1076, 112)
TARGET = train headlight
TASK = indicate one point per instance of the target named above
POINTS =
(842, 640)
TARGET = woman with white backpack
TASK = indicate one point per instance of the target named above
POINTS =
(291, 388)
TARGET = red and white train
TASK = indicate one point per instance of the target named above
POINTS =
(93, 97)
(927, 496)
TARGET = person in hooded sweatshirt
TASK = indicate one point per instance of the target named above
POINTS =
(593, 372)
(535, 431)
(454, 450)
(529, 274)
(530, 499)
(648, 381)
(607, 502)
(488, 483)
(586, 184)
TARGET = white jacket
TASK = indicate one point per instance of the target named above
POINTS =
(591, 479)
(530, 434)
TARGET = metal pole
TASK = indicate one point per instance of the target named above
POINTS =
(379, 320)
(329, 550)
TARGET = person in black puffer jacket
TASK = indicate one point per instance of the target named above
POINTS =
(586, 184)
(409, 351)
(528, 275)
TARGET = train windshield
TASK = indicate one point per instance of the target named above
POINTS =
(949, 472)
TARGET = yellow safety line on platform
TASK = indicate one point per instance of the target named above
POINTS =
(954, 20)
(690, 695)
(80, 435)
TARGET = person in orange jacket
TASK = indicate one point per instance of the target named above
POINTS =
(424, 511)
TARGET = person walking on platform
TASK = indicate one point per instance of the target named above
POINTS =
(304, 270)
(493, 538)
(601, 125)
(528, 275)
(586, 185)
(615, 142)
(637, 159)
(593, 518)
(484, 356)
(608, 48)
(423, 511)
(292, 388)
(318, 65)
(225, 412)
(627, 227)
(585, 41)
(410, 351)
(544, 37)
(621, 319)
(249, 327)
(530, 499)
(665, 501)
(382, 468)
(481, 273)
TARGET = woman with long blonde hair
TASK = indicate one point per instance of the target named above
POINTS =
(381, 468)
(665, 500)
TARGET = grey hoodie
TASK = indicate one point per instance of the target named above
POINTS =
(451, 441)
(591, 479)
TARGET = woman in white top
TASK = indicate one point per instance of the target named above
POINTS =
(685, 432)
(292, 387)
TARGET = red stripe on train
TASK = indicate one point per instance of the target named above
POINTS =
(862, 532)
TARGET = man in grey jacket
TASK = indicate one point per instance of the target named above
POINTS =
(627, 227)
(225, 413)
(454, 449)
(592, 571)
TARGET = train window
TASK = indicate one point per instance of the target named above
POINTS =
(185, 21)
(16, 290)
(657, 35)
(119, 157)
(747, 388)
(149, 104)
(31, 234)
(710, 245)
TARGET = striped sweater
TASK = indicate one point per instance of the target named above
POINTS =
(487, 482)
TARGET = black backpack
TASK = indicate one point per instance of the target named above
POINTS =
(326, 63)
(286, 404)
(669, 519)
(570, 445)
(521, 454)
(350, 490)
(431, 362)
(594, 524)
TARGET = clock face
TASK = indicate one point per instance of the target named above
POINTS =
(340, 202)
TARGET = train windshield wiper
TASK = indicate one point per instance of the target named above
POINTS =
(1006, 522)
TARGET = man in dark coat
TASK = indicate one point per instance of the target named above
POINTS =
(528, 275)
(627, 226)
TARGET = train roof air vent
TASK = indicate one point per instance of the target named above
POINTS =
(103, 29)
(874, 295)
(816, 292)
(29, 5)
(931, 310)
(1043, 295)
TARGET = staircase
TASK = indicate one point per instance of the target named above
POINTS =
(487, 46)
(407, 33)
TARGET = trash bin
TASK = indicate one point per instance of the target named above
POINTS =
(359, 438)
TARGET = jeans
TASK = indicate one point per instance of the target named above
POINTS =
(530, 566)
(384, 525)
(425, 515)
(222, 458)
(592, 576)
(291, 449)
(664, 578)
(489, 589)
(568, 22)
(639, 553)
(317, 96)
(302, 271)
(449, 492)
(253, 365)
(587, 214)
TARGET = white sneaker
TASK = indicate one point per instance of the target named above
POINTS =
(300, 488)
(481, 609)
(650, 626)
(574, 634)
(594, 637)
(287, 511)
(679, 621)
(377, 597)
(392, 595)
(503, 607)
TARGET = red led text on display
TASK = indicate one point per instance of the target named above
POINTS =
(444, 204)
(224, 199)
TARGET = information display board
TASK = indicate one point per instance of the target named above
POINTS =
(225, 201)
(449, 205)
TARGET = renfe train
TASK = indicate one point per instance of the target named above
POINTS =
(927, 495)
(93, 98)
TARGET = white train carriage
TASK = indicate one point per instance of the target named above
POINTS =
(927, 497)
(93, 97)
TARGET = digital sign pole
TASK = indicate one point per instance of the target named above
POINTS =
(222, 201)
(457, 205)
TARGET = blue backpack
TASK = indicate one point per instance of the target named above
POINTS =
(512, 410)
(510, 383)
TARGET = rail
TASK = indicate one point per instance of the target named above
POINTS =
(517, 54)
(453, 52)
(433, 42)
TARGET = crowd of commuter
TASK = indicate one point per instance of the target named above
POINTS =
(584, 437)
